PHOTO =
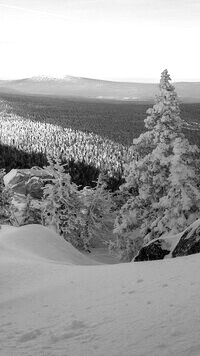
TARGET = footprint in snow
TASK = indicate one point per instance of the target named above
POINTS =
(77, 324)
(140, 280)
(64, 336)
(161, 345)
(176, 332)
(164, 285)
(30, 335)
(72, 330)
(6, 324)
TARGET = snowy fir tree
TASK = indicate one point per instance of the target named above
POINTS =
(98, 211)
(161, 180)
(62, 204)
(4, 200)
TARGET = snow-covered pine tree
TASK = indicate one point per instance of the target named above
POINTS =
(62, 204)
(98, 211)
(5, 197)
(161, 179)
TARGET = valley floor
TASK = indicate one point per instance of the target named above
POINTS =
(55, 301)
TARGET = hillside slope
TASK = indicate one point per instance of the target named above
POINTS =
(69, 86)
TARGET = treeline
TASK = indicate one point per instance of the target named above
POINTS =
(82, 174)
(118, 121)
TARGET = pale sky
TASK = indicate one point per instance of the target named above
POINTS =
(106, 39)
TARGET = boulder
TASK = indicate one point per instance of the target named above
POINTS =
(26, 186)
(34, 187)
(156, 249)
(168, 246)
(189, 242)
(26, 181)
(16, 176)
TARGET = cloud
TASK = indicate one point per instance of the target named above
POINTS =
(46, 13)
(6, 42)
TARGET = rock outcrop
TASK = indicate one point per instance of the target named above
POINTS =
(155, 250)
(189, 242)
(182, 244)
(26, 187)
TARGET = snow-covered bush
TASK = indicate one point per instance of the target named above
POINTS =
(161, 181)
(62, 204)
(98, 214)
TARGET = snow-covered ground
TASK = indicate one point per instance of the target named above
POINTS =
(54, 301)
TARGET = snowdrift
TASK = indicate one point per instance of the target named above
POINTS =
(38, 242)
(51, 304)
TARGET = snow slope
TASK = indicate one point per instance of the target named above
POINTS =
(38, 242)
(50, 306)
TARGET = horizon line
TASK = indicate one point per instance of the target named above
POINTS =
(116, 80)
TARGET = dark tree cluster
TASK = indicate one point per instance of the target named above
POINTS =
(81, 173)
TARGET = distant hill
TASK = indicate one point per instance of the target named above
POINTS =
(70, 86)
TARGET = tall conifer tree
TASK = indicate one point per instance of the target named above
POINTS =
(161, 179)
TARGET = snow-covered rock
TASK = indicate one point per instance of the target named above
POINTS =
(24, 183)
(16, 178)
(182, 244)
(155, 250)
(189, 242)
(158, 249)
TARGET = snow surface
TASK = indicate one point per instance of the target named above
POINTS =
(53, 303)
